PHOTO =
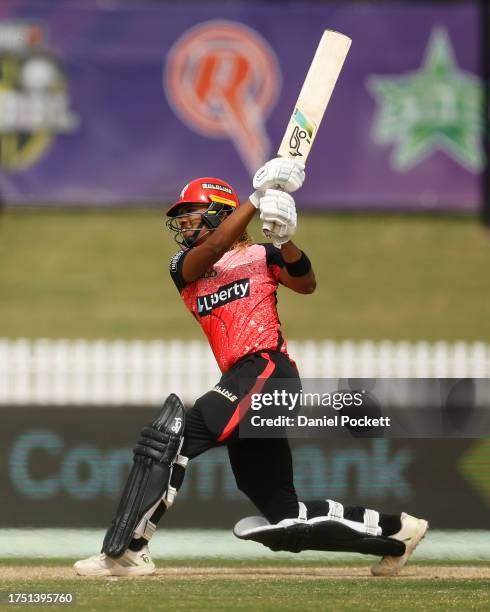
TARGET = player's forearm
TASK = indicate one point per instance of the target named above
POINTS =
(203, 256)
(292, 256)
(230, 229)
(290, 252)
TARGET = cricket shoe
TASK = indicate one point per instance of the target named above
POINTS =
(131, 563)
(411, 533)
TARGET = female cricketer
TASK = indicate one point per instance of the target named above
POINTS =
(229, 285)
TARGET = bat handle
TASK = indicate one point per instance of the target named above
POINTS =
(267, 228)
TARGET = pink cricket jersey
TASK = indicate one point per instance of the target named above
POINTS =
(235, 302)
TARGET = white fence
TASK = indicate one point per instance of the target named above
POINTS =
(136, 372)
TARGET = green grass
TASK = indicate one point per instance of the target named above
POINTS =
(104, 275)
(258, 592)
(266, 594)
(300, 590)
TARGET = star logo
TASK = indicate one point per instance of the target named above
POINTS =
(436, 108)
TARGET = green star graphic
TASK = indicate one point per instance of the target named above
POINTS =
(437, 108)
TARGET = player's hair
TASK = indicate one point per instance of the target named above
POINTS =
(243, 241)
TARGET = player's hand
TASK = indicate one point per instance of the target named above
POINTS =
(280, 234)
(278, 213)
(277, 207)
(280, 173)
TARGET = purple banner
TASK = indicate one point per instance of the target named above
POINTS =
(107, 103)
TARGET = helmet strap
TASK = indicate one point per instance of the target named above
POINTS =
(189, 242)
(213, 216)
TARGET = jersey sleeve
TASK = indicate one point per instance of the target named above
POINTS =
(176, 269)
(275, 262)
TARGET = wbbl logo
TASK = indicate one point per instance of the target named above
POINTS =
(34, 97)
(224, 295)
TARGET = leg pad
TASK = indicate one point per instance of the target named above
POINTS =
(148, 483)
(295, 535)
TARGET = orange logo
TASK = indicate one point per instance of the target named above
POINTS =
(222, 79)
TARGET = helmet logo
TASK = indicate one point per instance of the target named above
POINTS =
(216, 187)
(222, 79)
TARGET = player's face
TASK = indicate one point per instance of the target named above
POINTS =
(190, 218)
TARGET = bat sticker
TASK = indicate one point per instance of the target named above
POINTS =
(303, 132)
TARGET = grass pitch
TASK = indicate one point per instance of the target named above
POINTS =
(231, 585)
(104, 274)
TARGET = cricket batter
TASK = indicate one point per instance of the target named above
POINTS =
(229, 285)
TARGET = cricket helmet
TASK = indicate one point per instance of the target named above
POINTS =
(206, 190)
(219, 197)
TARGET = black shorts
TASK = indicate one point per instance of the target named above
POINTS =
(215, 417)
(262, 467)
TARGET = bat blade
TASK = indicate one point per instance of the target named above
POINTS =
(315, 95)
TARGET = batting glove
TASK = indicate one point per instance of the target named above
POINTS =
(280, 234)
(278, 213)
(278, 207)
(254, 198)
(280, 173)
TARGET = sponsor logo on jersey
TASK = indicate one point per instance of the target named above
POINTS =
(222, 79)
(224, 295)
(217, 187)
(175, 261)
(225, 393)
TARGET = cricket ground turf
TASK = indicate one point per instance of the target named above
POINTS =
(228, 584)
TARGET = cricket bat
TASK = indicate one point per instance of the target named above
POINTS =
(314, 98)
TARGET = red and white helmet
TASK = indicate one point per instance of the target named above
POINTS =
(207, 190)
(220, 199)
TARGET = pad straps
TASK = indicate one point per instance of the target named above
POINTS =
(335, 510)
(371, 522)
(169, 497)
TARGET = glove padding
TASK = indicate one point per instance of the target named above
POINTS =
(278, 212)
(277, 207)
(280, 173)
(279, 234)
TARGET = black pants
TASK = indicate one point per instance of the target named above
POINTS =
(263, 468)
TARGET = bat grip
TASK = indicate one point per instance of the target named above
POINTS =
(267, 226)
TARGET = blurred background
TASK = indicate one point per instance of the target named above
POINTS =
(107, 109)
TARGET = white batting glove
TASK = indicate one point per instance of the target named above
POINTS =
(277, 207)
(278, 213)
(280, 234)
(280, 173)
(254, 198)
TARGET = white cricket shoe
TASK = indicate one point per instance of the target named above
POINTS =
(131, 563)
(412, 531)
